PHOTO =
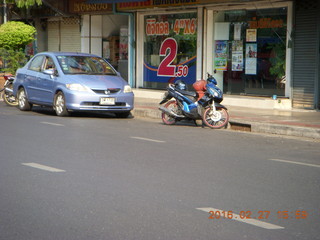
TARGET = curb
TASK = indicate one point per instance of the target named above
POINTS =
(248, 126)
(147, 113)
(277, 129)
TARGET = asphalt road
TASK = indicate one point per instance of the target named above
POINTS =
(98, 177)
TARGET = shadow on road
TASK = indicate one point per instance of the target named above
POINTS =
(50, 112)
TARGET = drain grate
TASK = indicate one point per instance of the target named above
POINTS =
(240, 126)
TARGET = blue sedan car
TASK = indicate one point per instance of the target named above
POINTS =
(72, 82)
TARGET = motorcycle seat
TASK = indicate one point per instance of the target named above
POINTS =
(187, 93)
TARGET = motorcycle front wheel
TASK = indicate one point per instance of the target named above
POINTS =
(215, 119)
(166, 118)
(9, 98)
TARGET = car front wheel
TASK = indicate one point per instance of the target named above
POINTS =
(59, 105)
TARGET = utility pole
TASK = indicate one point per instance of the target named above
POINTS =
(4, 11)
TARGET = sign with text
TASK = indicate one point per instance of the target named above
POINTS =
(80, 6)
(170, 48)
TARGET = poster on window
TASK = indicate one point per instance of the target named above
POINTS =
(237, 56)
(251, 35)
(221, 55)
(170, 49)
(251, 59)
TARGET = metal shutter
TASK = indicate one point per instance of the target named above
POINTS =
(53, 36)
(70, 35)
(64, 35)
(305, 62)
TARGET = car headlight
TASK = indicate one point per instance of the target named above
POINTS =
(77, 87)
(127, 89)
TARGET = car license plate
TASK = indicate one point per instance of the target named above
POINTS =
(107, 101)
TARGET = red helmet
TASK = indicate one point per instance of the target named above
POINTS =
(200, 85)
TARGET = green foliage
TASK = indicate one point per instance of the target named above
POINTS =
(25, 3)
(12, 60)
(278, 67)
(16, 35)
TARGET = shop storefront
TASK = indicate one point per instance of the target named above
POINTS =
(247, 45)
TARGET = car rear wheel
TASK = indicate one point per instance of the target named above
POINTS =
(59, 105)
(23, 102)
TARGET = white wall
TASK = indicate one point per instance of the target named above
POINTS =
(85, 32)
(96, 35)
(91, 34)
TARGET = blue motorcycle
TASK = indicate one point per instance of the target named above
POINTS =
(204, 103)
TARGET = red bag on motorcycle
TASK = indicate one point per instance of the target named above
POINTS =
(200, 87)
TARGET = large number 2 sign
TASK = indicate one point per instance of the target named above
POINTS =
(169, 49)
(165, 67)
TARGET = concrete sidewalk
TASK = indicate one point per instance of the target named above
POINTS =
(260, 115)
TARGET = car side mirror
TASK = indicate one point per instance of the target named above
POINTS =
(50, 72)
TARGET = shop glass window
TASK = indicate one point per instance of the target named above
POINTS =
(250, 51)
(170, 45)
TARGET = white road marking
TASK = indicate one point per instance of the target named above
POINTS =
(251, 221)
(148, 139)
(53, 124)
(43, 167)
(292, 162)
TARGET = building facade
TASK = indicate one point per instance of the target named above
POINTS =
(259, 48)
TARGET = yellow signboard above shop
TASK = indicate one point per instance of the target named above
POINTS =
(165, 3)
(155, 3)
(81, 7)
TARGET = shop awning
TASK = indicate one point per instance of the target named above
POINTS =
(113, 1)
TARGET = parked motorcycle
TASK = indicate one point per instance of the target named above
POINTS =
(203, 104)
(8, 96)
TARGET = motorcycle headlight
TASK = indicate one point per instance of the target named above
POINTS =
(77, 87)
(127, 89)
(215, 93)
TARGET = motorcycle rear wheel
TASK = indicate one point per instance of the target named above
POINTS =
(8, 97)
(215, 119)
(166, 118)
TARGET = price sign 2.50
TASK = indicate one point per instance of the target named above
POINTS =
(169, 49)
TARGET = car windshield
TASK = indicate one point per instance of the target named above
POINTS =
(85, 65)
